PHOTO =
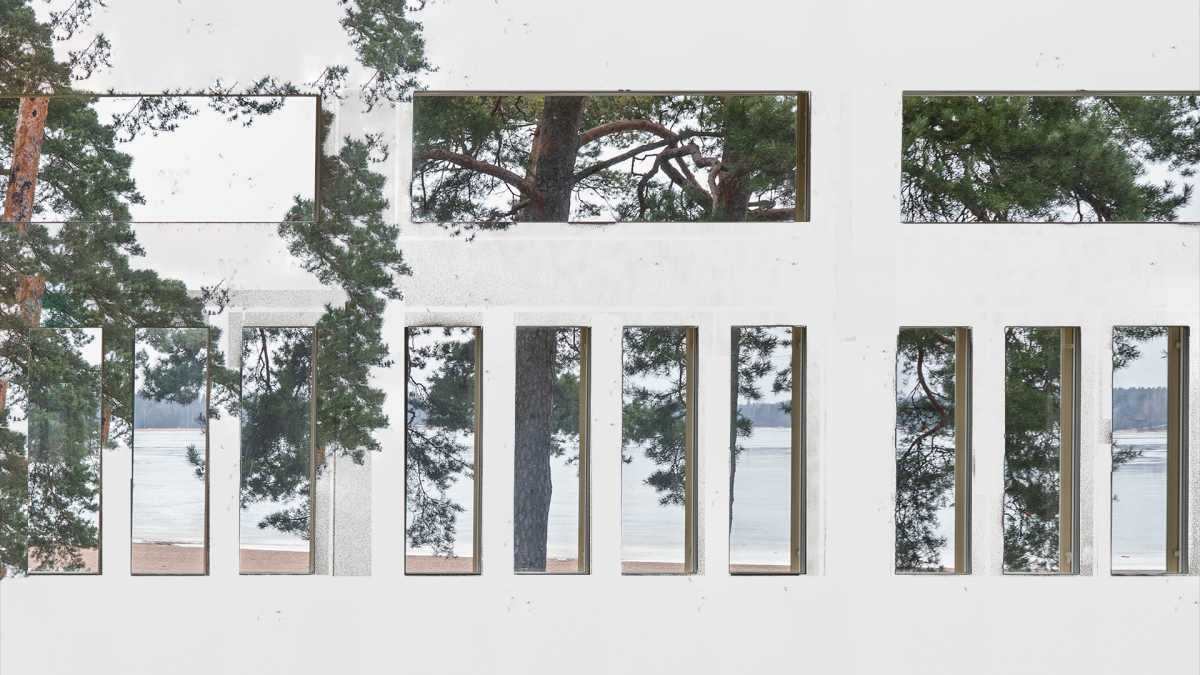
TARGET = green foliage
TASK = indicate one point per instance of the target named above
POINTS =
(1031, 448)
(276, 397)
(924, 444)
(754, 137)
(441, 391)
(63, 414)
(654, 392)
(389, 45)
(1045, 158)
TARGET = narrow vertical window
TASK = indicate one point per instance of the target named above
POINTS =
(1041, 449)
(277, 459)
(1149, 449)
(766, 481)
(170, 451)
(550, 532)
(442, 450)
(658, 450)
(63, 441)
(933, 450)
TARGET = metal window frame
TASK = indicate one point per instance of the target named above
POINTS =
(584, 522)
(803, 127)
(477, 487)
(963, 452)
(1068, 451)
(584, 553)
(692, 379)
(690, 435)
(99, 464)
(207, 457)
(313, 448)
(797, 528)
(1177, 449)
(963, 399)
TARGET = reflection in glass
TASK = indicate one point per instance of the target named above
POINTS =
(551, 463)
(442, 448)
(277, 402)
(162, 158)
(170, 450)
(64, 449)
(1040, 412)
(1145, 444)
(927, 443)
(762, 447)
(555, 158)
(971, 158)
(656, 501)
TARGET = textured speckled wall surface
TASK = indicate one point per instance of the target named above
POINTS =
(852, 276)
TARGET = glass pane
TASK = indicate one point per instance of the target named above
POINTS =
(1032, 428)
(760, 499)
(1139, 449)
(162, 158)
(64, 449)
(440, 461)
(1048, 158)
(277, 369)
(488, 159)
(654, 450)
(925, 448)
(170, 450)
(546, 530)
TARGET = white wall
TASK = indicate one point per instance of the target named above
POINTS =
(852, 276)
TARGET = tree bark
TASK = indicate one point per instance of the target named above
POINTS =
(555, 146)
(535, 384)
(27, 152)
(18, 199)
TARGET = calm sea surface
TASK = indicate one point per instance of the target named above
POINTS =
(168, 498)
(1139, 507)
(168, 504)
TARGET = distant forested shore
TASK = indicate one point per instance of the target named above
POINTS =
(766, 415)
(148, 414)
(1140, 408)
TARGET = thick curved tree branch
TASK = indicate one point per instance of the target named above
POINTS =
(610, 128)
(524, 185)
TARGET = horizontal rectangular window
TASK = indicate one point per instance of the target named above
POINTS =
(1149, 449)
(277, 418)
(766, 484)
(933, 452)
(1046, 158)
(658, 508)
(163, 158)
(550, 521)
(529, 157)
(170, 451)
(1041, 449)
(442, 450)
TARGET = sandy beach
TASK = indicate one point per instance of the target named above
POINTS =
(91, 562)
(162, 558)
(760, 569)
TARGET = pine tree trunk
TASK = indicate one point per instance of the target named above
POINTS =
(18, 199)
(556, 144)
(535, 383)
(27, 152)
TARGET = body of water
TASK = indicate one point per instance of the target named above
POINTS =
(1139, 506)
(168, 497)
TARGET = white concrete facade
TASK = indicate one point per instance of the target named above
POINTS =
(852, 276)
